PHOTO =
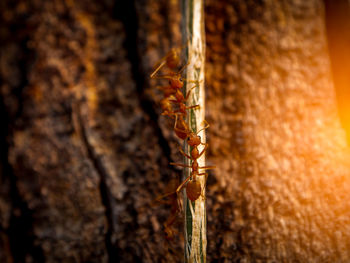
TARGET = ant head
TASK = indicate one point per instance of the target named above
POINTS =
(194, 140)
(176, 83)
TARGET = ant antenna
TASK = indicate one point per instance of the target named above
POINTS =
(158, 68)
(207, 125)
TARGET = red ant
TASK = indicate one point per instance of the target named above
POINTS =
(173, 94)
(180, 99)
(170, 97)
(175, 208)
(172, 60)
(193, 187)
(181, 128)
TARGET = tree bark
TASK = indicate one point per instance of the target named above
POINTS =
(85, 151)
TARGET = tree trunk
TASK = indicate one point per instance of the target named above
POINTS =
(85, 151)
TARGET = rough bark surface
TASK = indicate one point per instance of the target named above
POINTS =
(84, 150)
(275, 136)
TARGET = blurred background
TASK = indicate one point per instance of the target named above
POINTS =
(85, 151)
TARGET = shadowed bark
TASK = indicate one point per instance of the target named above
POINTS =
(338, 32)
(85, 151)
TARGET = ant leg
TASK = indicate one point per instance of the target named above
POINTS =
(182, 165)
(193, 107)
(203, 151)
(207, 167)
(167, 226)
(187, 108)
(192, 81)
(177, 129)
(184, 154)
(159, 198)
(176, 117)
(169, 113)
(182, 184)
(189, 92)
(183, 68)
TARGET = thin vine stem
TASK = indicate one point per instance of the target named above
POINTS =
(195, 212)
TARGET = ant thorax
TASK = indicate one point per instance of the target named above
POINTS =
(194, 152)
(179, 96)
(168, 91)
(194, 140)
(173, 59)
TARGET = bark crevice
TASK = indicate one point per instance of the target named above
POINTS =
(126, 12)
(106, 196)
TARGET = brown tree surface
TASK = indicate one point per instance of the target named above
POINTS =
(84, 150)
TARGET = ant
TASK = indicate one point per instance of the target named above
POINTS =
(168, 109)
(173, 94)
(181, 128)
(172, 60)
(174, 210)
(180, 99)
(193, 187)
(175, 80)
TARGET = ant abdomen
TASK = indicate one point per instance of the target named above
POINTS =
(195, 152)
(173, 59)
(193, 190)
